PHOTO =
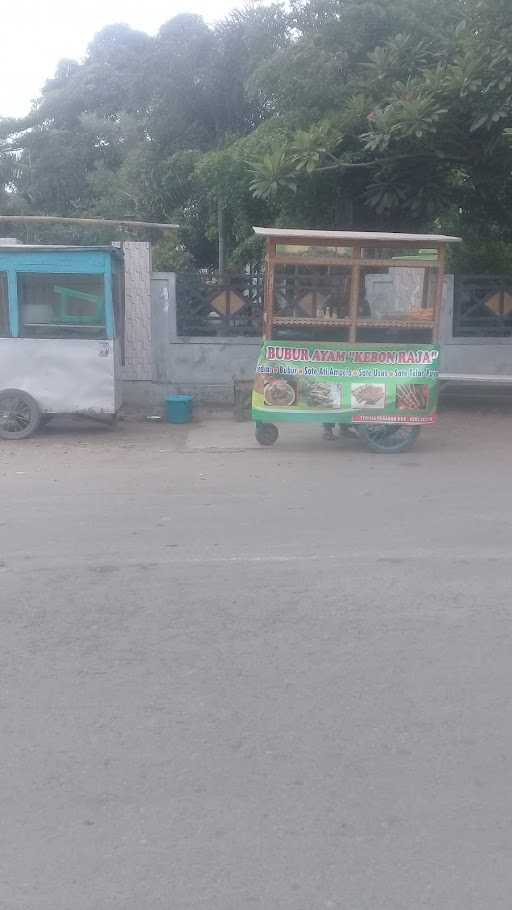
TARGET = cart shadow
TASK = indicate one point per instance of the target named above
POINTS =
(76, 426)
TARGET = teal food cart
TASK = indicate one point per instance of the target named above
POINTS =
(61, 329)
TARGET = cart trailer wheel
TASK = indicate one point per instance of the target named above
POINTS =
(388, 439)
(19, 415)
(266, 433)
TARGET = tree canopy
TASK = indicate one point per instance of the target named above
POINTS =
(392, 114)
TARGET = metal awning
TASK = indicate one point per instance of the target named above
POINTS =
(56, 248)
(365, 236)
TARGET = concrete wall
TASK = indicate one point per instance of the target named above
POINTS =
(478, 357)
(206, 368)
(160, 363)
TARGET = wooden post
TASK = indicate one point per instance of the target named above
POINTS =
(268, 303)
(425, 289)
(355, 281)
(438, 302)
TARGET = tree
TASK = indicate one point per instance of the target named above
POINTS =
(434, 141)
(330, 113)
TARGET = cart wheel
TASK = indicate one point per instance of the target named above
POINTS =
(19, 415)
(266, 433)
(388, 439)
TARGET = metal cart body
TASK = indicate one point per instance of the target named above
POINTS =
(61, 322)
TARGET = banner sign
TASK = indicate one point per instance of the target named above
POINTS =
(343, 383)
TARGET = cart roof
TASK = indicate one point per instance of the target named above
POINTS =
(371, 236)
(58, 248)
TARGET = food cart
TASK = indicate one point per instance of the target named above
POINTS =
(351, 328)
(61, 321)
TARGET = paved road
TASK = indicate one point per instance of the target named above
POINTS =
(234, 677)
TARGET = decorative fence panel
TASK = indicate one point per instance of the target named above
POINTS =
(482, 306)
(214, 305)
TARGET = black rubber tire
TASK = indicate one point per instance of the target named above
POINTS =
(266, 433)
(19, 414)
(388, 438)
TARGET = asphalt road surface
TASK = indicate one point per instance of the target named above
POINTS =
(242, 678)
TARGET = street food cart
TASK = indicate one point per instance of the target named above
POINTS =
(351, 328)
(61, 318)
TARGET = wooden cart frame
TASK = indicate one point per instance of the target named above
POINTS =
(356, 242)
(355, 254)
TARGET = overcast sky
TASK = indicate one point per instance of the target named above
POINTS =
(36, 34)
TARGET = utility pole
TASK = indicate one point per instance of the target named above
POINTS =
(220, 230)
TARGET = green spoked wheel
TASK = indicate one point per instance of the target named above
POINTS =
(388, 439)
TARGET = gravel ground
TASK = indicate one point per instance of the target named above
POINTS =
(235, 677)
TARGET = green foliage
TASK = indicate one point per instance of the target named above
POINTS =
(323, 113)
(481, 256)
(271, 173)
(170, 255)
